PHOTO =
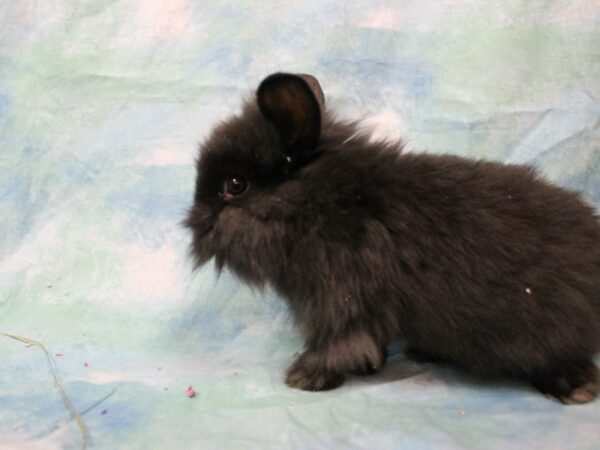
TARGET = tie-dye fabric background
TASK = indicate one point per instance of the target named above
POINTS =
(102, 104)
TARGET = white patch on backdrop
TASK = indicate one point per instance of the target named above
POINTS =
(165, 156)
(415, 15)
(386, 125)
(156, 20)
(148, 274)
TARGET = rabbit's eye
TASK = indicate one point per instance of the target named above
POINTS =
(235, 185)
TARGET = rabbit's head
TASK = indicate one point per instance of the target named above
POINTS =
(247, 187)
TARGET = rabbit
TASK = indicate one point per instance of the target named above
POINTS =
(477, 263)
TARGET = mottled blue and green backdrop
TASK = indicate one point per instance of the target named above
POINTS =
(102, 104)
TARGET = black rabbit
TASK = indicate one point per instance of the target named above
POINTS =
(478, 263)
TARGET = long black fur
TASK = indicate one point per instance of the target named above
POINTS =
(479, 263)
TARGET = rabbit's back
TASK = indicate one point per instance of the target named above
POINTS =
(494, 260)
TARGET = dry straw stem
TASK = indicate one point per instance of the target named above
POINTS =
(85, 432)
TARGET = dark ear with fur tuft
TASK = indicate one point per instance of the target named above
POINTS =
(293, 104)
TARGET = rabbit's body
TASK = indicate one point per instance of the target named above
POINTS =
(478, 263)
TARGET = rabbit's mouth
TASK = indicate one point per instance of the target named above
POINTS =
(202, 227)
(199, 222)
(202, 248)
(204, 231)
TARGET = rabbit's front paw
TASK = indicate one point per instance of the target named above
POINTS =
(310, 377)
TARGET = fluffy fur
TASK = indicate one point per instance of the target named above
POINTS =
(478, 263)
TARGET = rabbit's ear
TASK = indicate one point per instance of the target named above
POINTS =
(293, 104)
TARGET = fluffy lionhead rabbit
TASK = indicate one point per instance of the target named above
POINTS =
(477, 263)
